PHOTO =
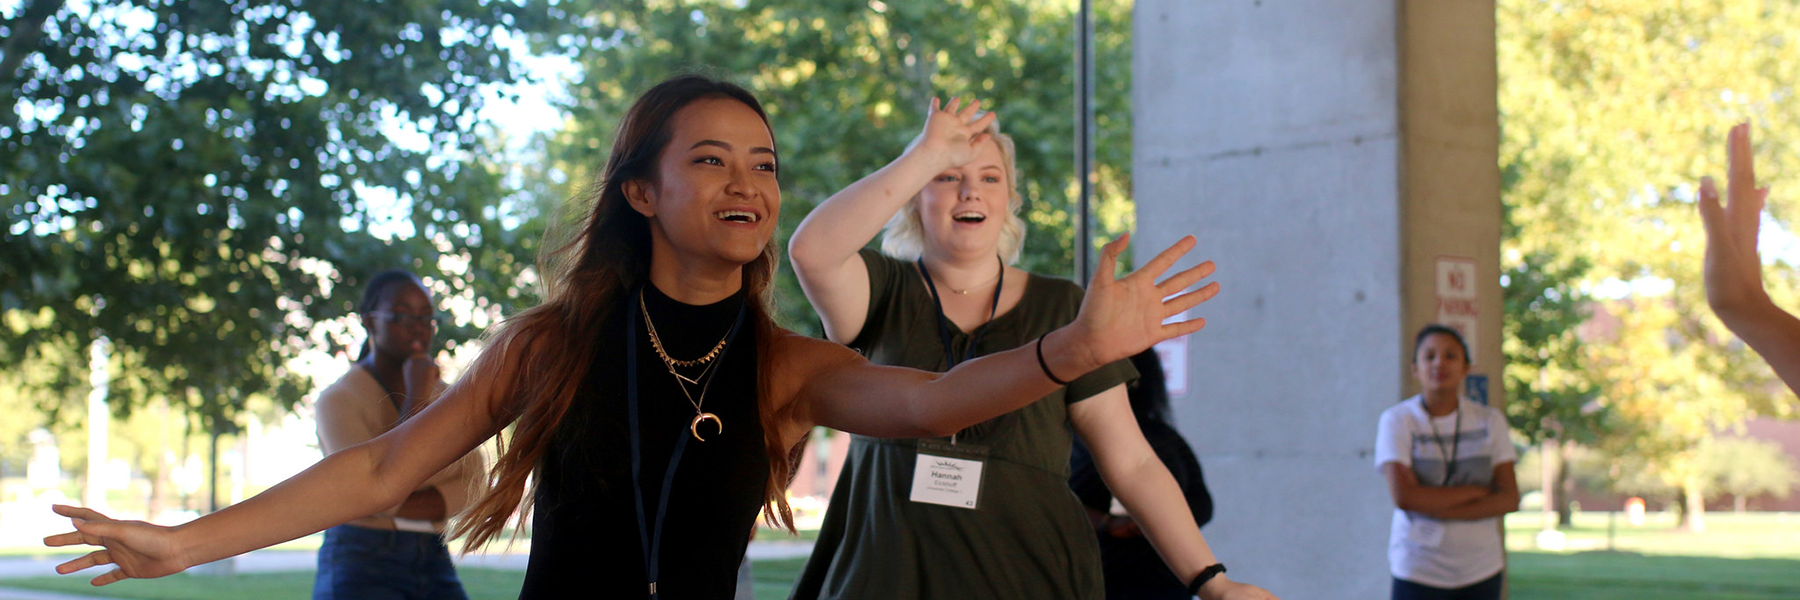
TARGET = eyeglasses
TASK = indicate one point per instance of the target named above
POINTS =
(406, 319)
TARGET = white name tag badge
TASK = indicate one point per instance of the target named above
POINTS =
(946, 480)
(1424, 532)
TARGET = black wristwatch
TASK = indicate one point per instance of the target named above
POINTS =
(1205, 575)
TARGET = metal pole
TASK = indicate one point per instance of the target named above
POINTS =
(1084, 138)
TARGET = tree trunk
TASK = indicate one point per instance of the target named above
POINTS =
(1565, 488)
(158, 488)
(1737, 503)
(1547, 471)
(212, 473)
(1693, 507)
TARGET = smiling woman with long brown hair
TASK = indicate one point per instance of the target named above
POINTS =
(654, 402)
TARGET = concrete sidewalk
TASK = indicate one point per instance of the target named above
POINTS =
(269, 561)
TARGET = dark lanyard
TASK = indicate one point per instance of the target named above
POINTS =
(950, 353)
(1455, 438)
(650, 537)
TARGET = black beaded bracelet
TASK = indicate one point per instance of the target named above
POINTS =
(1205, 575)
(1044, 365)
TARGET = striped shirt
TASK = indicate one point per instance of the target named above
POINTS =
(1443, 454)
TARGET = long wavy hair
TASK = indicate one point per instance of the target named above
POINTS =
(550, 346)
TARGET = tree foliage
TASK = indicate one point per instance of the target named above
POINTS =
(845, 83)
(1611, 112)
(1744, 467)
(204, 182)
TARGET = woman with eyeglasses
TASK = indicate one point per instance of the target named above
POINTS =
(398, 552)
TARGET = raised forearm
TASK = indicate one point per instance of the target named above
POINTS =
(1772, 332)
(838, 227)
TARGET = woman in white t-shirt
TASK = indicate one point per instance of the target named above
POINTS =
(1449, 464)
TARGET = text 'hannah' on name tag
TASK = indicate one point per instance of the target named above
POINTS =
(946, 480)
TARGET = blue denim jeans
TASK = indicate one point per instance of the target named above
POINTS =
(1486, 589)
(358, 563)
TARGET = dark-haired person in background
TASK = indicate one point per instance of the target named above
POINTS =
(1449, 465)
(1133, 568)
(399, 552)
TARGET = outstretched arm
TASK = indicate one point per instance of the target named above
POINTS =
(357, 481)
(1143, 484)
(837, 388)
(1734, 283)
(824, 247)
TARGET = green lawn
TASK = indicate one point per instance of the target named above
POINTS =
(1728, 535)
(1749, 556)
(1602, 575)
(773, 578)
(1740, 557)
(482, 584)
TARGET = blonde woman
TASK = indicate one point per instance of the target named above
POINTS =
(942, 291)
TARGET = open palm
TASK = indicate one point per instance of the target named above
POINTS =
(1733, 270)
(140, 550)
(1124, 316)
(953, 132)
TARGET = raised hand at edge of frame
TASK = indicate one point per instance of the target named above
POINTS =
(1734, 284)
(1733, 271)
(139, 550)
(952, 132)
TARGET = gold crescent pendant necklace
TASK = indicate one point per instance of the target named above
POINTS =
(682, 381)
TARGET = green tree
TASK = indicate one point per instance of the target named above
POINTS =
(1610, 112)
(846, 82)
(204, 183)
(22, 390)
(1551, 396)
(1744, 468)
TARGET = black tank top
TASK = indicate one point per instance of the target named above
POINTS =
(584, 539)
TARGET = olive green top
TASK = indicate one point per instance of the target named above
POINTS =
(1028, 537)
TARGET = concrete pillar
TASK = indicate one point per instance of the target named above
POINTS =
(1327, 155)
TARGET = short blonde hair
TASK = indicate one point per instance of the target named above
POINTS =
(904, 237)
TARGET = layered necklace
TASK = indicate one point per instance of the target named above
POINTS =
(649, 531)
(703, 379)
